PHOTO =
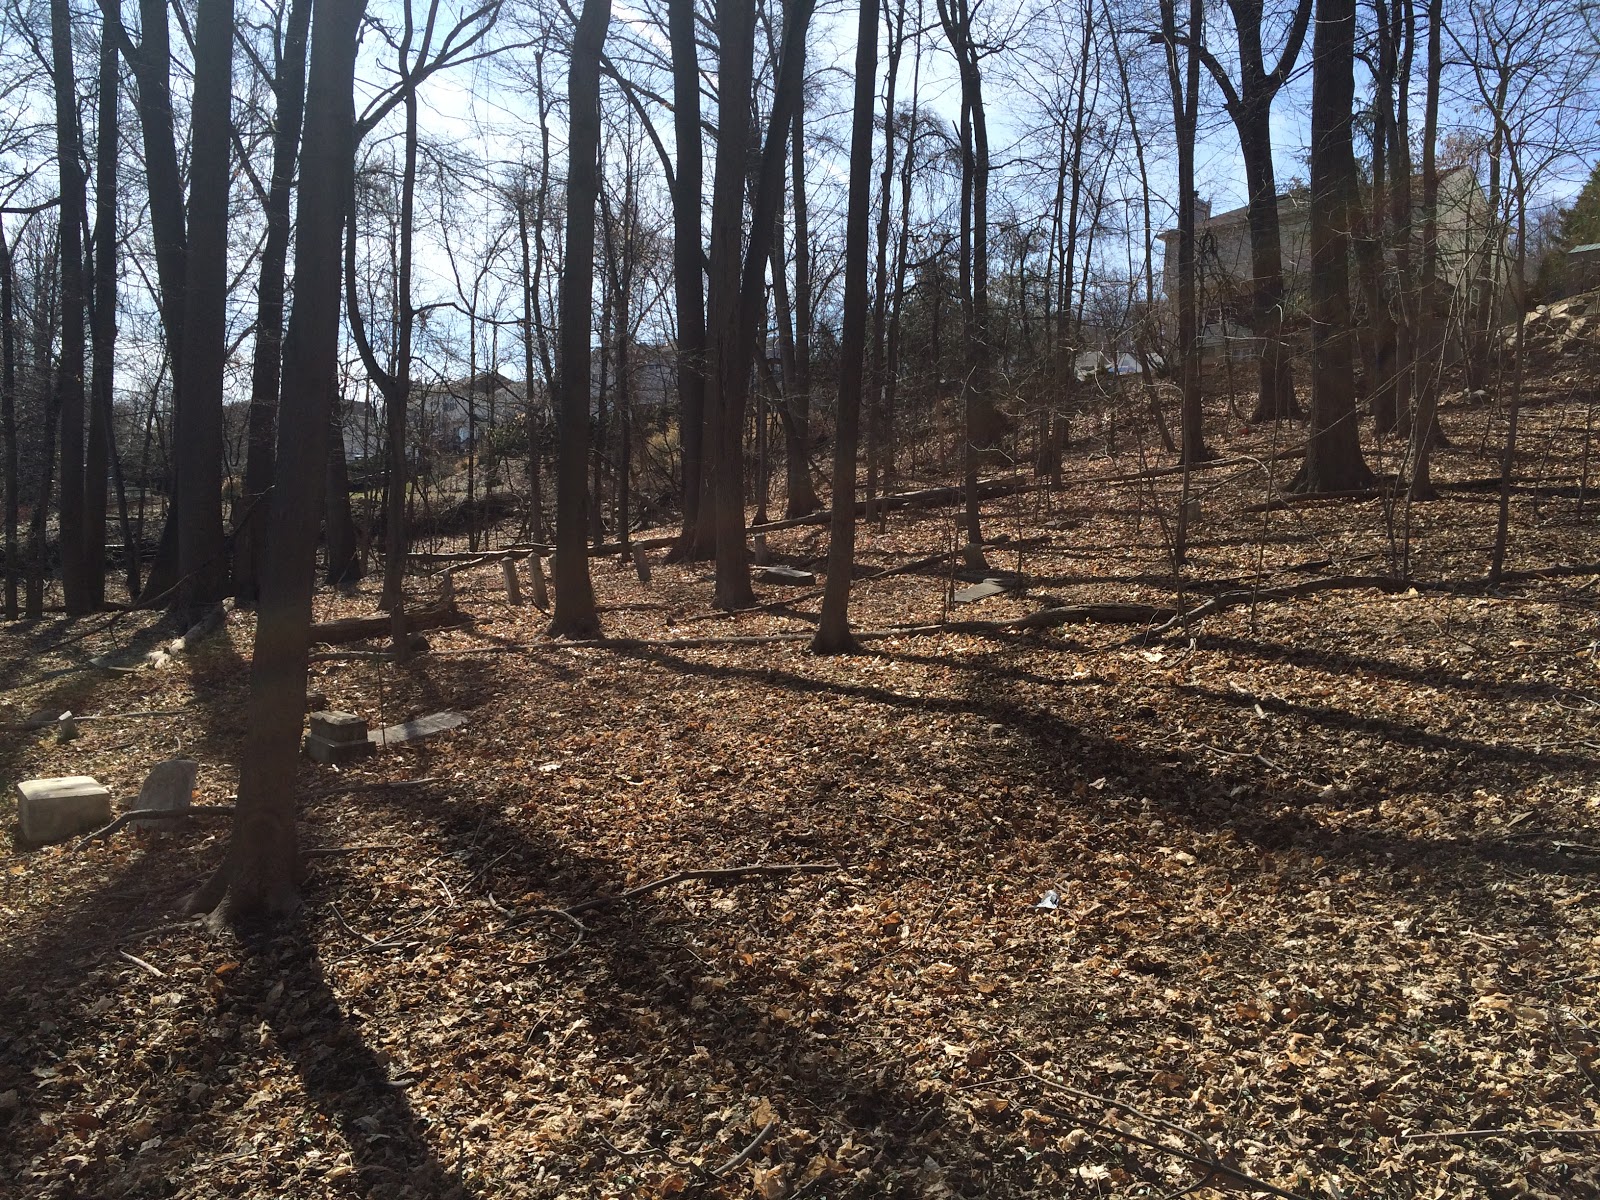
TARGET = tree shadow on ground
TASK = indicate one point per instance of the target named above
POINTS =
(1278, 815)
(706, 1020)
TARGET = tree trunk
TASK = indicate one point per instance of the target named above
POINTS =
(575, 613)
(833, 625)
(103, 337)
(344, 558)
(1430, 337)
(802, 496)
(1275, 398)
(1333, 460)
(738, 280)
(260, 875)
(688, 258)
(8, 422)
(202, 566)
(267, 360)
(70, 392)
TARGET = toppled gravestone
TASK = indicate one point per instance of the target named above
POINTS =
(337, 738)
(416, 729)
(49, 810)
(168, 788)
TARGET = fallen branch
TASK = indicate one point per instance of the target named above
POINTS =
(155, 814)
(1461, 1134)
(355, 629)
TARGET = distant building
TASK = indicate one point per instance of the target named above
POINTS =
(1467, 232)
(1583, 269)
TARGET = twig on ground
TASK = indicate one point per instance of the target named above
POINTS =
(713, 875)
(749, 1152)
(141, 964)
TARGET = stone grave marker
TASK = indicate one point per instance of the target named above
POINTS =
(169, 787)
(508, 571)
(337, 738)
(789, 575)
(49, 810)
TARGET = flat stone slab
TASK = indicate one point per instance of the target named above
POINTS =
(982, 591)
(417, 728)
(338, 726)
(169, 787)
(49, 810)
(790, 575)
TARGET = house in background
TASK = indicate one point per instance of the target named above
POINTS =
(1468, 232)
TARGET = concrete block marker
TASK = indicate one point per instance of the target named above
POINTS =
(416, 729)
(49, 810)
(337, 738)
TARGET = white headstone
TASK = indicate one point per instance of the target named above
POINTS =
(169, 787)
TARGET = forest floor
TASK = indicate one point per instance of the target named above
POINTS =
(1326, 876)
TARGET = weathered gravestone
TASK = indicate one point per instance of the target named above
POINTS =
(51, 809)
(789, 575)
(416, 729)
(337, 738)
(168, 788)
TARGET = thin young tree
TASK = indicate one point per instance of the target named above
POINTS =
(260, 874)
(833, 625)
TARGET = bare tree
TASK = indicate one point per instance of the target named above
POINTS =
(575, 612)
(1333, 453)
(260, 874)
(833, 625)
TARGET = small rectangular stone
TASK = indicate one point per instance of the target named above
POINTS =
(320, 749)
(789, 575)
(51, 809)
(416, 729)
(339, 726)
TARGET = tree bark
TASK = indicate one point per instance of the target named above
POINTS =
(266, 363)
(202, 566)
(1429, 326)
(70, 393)
(260, 874)
(1333, 460)
(8, 422)
(833, 625)
(801, 496)
(103, 339)
(688, 259)
(575, 613)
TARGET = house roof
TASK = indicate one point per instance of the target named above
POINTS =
(1589, 249)
(1299, 197)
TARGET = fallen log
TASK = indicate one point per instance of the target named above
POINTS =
(355, 629)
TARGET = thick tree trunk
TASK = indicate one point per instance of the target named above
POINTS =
(267, 360)
(688, 258)
(259, 877)
(833, 625)
(1275, 398)
(202, 565)
(70, 393)
(738, 280)
(575, 613)
(1333, 460)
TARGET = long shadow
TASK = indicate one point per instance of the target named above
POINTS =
(807, 1066)
(1344, 662)
(1281, 816)
(1397, 731)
